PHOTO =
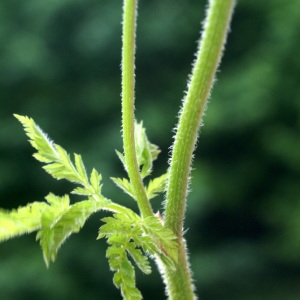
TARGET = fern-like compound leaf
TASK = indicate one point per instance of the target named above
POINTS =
(121, 231)
(128, 234)
(146, 152)
(58, 161)
(81, 169)
(124, 185)
(124, 278)
(55, 221)
(139, 258)
(122, 159)
(21, 221)
(95, 180)
(61, 220)
(156, 185)
(163, 240)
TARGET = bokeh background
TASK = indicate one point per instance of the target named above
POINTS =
(60, 64)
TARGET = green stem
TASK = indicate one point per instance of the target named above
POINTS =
(205, 66)
(128, 65)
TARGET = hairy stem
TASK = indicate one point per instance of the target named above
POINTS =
(203, 73)
(128, 65)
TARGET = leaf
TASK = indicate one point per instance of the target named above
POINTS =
(164, 240)
(157, 185)
(145, 151)
(124, 278)
(121, 225)
(124, 185)
(54, 221)
(39, 140)
(122, 159)
(121, 230)
(21, 221)
(139, 258)
(120, 238)
(148, 233)
(82, 191)
(61, 220)
(127, 234)
(95, 180)
(58, 161)
(80, 168)
(113, 227)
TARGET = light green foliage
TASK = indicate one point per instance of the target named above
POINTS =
(148, 233)
(21, 221)
(146, 154)
(128, 235)
(124, 278)
(163, 238)
(125, 185)
(58, 162)
(58, 219)
(156, 185)
(61, 220)
(120, 233)
(54, 220)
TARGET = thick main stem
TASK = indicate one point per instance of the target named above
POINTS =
(209, 54)
(128, 65)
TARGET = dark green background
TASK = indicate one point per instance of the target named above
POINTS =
(60, 64)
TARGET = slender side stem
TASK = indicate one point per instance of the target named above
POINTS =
(208, 57)
(128, 52)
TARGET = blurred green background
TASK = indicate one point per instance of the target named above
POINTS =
(60, 64)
